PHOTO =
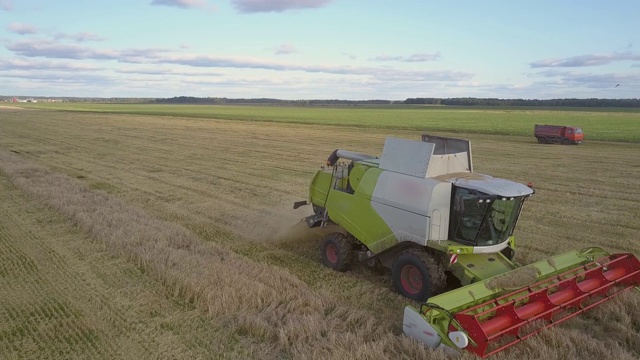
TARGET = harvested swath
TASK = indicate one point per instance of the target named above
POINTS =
(516, 279)
(261, 302)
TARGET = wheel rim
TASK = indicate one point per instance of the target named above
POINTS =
(411, 279)
(332, 253)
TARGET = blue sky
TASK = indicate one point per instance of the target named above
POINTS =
(320, 49)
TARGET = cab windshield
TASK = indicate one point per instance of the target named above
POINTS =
(483, 220)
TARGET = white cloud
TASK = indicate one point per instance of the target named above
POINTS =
(183, 4)
(349, 55)
(80, 37)
(56, 50)
(419, 57)
(576, 79)
(255, 6)
(422, 57)
(22, 29)
(30, 64)
(586, 60)
(27, 29)
(167, 71)
(6, 5)
(285, 49)
(256, 63)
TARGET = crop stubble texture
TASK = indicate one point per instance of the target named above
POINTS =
(231, 182)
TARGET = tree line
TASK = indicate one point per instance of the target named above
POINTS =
(466, 101)
(627, 103)
(268, 101)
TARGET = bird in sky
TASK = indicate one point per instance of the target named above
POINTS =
(617, 85)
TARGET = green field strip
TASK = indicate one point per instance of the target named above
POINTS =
(610, 124)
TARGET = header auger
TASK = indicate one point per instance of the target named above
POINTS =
(421, 211)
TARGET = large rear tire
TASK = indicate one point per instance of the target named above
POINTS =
(416, 275)
(337, 251)
(542, 140)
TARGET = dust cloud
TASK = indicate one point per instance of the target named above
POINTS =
(280, 223)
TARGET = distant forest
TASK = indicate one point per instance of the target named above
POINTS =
(625, 103)
(430, 101)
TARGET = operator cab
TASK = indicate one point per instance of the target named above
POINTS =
(480, 219)
(484, 209)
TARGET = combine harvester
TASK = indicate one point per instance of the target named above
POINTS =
(420, 210)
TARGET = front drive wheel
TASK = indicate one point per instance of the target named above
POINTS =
(337, 251)
(417, 276)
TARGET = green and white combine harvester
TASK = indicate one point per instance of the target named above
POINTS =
(421, 211)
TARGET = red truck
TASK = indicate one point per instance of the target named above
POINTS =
(565, 135)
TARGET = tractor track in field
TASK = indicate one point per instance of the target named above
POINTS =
(57, 299)
(47, 317)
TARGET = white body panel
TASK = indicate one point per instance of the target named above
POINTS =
(491, 249)
(413, 193)
(488, 184)
(415, 326)
(416, 209)
(406, 156)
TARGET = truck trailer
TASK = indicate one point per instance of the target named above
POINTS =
(565, 135)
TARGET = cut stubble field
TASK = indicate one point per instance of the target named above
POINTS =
(182, 235)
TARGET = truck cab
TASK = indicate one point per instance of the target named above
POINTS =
(574, 135)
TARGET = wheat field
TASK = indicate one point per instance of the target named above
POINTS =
(128, 236)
